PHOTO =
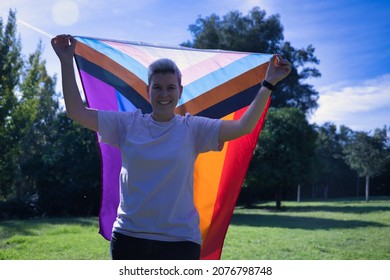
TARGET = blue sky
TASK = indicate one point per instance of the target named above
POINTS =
(351, 38)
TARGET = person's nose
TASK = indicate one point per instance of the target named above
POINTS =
(164, 93)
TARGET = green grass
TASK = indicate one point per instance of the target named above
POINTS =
(333, 230)
(52, 239)
(337, 230)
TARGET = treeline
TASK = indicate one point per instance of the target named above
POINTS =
(294, 159)
(51, 166)
(48, 165)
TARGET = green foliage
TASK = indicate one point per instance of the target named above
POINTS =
(366, 154)
(256, 32)
(10, 67)
(49, 165)
(251, 33)
(69, 178)
(332, 175)
(284, 154)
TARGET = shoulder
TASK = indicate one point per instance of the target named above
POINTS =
(119, 119)
(120, 115)
(200, 122)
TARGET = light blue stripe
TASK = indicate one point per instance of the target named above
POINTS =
(121, 58)
(124, 105)
(194, 89)
(222, 75)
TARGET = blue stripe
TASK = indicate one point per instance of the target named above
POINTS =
(119, 57)
(124, 104)
(223, 75)
(197, 87)
(109, 78)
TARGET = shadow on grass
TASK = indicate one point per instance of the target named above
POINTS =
(328, 208)
(342, 209)
(285, 221)
(29, 227)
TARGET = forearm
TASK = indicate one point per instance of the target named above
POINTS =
(250, 118)
(72, 98)
(277, 70)
(245, 125)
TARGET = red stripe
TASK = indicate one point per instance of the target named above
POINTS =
(236, 165)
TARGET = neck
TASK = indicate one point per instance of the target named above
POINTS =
(162, 118)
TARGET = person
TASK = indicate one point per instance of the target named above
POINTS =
(156, 216)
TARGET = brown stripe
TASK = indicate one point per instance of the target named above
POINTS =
(110, 65)
(224, 91)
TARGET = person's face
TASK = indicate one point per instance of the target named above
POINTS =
(164, 92)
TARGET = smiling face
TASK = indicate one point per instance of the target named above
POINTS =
(164, 92)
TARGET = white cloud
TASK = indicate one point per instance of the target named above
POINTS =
(248, 5)
(362, 106)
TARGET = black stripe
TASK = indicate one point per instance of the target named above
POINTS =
(216, 111)
(127, 91)
(231, 104)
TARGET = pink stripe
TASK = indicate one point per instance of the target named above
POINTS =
(220, 60)
(133, 52)
(191, 73)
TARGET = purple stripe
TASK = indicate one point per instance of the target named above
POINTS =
(103, 97)
(99, 95)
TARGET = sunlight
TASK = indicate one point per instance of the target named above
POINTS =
(65, 12)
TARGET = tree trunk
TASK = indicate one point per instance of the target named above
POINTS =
(278, 197)
(367, 187)
(314, 192)
(299, 193)
(326, 192)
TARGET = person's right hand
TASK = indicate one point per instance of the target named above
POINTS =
(64, 46)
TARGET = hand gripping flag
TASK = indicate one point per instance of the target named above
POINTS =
(217, 84)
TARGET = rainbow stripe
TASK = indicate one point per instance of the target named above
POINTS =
(217, 84)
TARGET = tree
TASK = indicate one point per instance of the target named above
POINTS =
(68, 180)
(48, 164)
(11, 65)
(333, 175)
(284, 155)
(368, 155)
(258, 33)
(31, 122)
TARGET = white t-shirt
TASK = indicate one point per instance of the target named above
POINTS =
(156, 180)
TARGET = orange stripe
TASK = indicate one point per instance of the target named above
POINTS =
(207, 174)
(237, 159)
(110, 65)
(224, 91)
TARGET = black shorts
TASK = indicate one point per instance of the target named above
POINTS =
(125, 247)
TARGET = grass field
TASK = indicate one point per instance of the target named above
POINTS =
(332, 230)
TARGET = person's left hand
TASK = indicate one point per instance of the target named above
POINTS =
(278, 69)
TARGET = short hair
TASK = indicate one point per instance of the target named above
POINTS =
(163, 65)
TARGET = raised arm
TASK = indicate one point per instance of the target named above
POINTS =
(64, 46)
(277, 70)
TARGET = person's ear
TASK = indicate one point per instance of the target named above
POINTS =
(147, 91)
(180, 91)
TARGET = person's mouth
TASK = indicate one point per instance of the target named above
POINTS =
(166, 102)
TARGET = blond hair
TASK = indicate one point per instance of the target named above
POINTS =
(163, 65)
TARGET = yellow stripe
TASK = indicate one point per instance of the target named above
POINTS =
(207, 175)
